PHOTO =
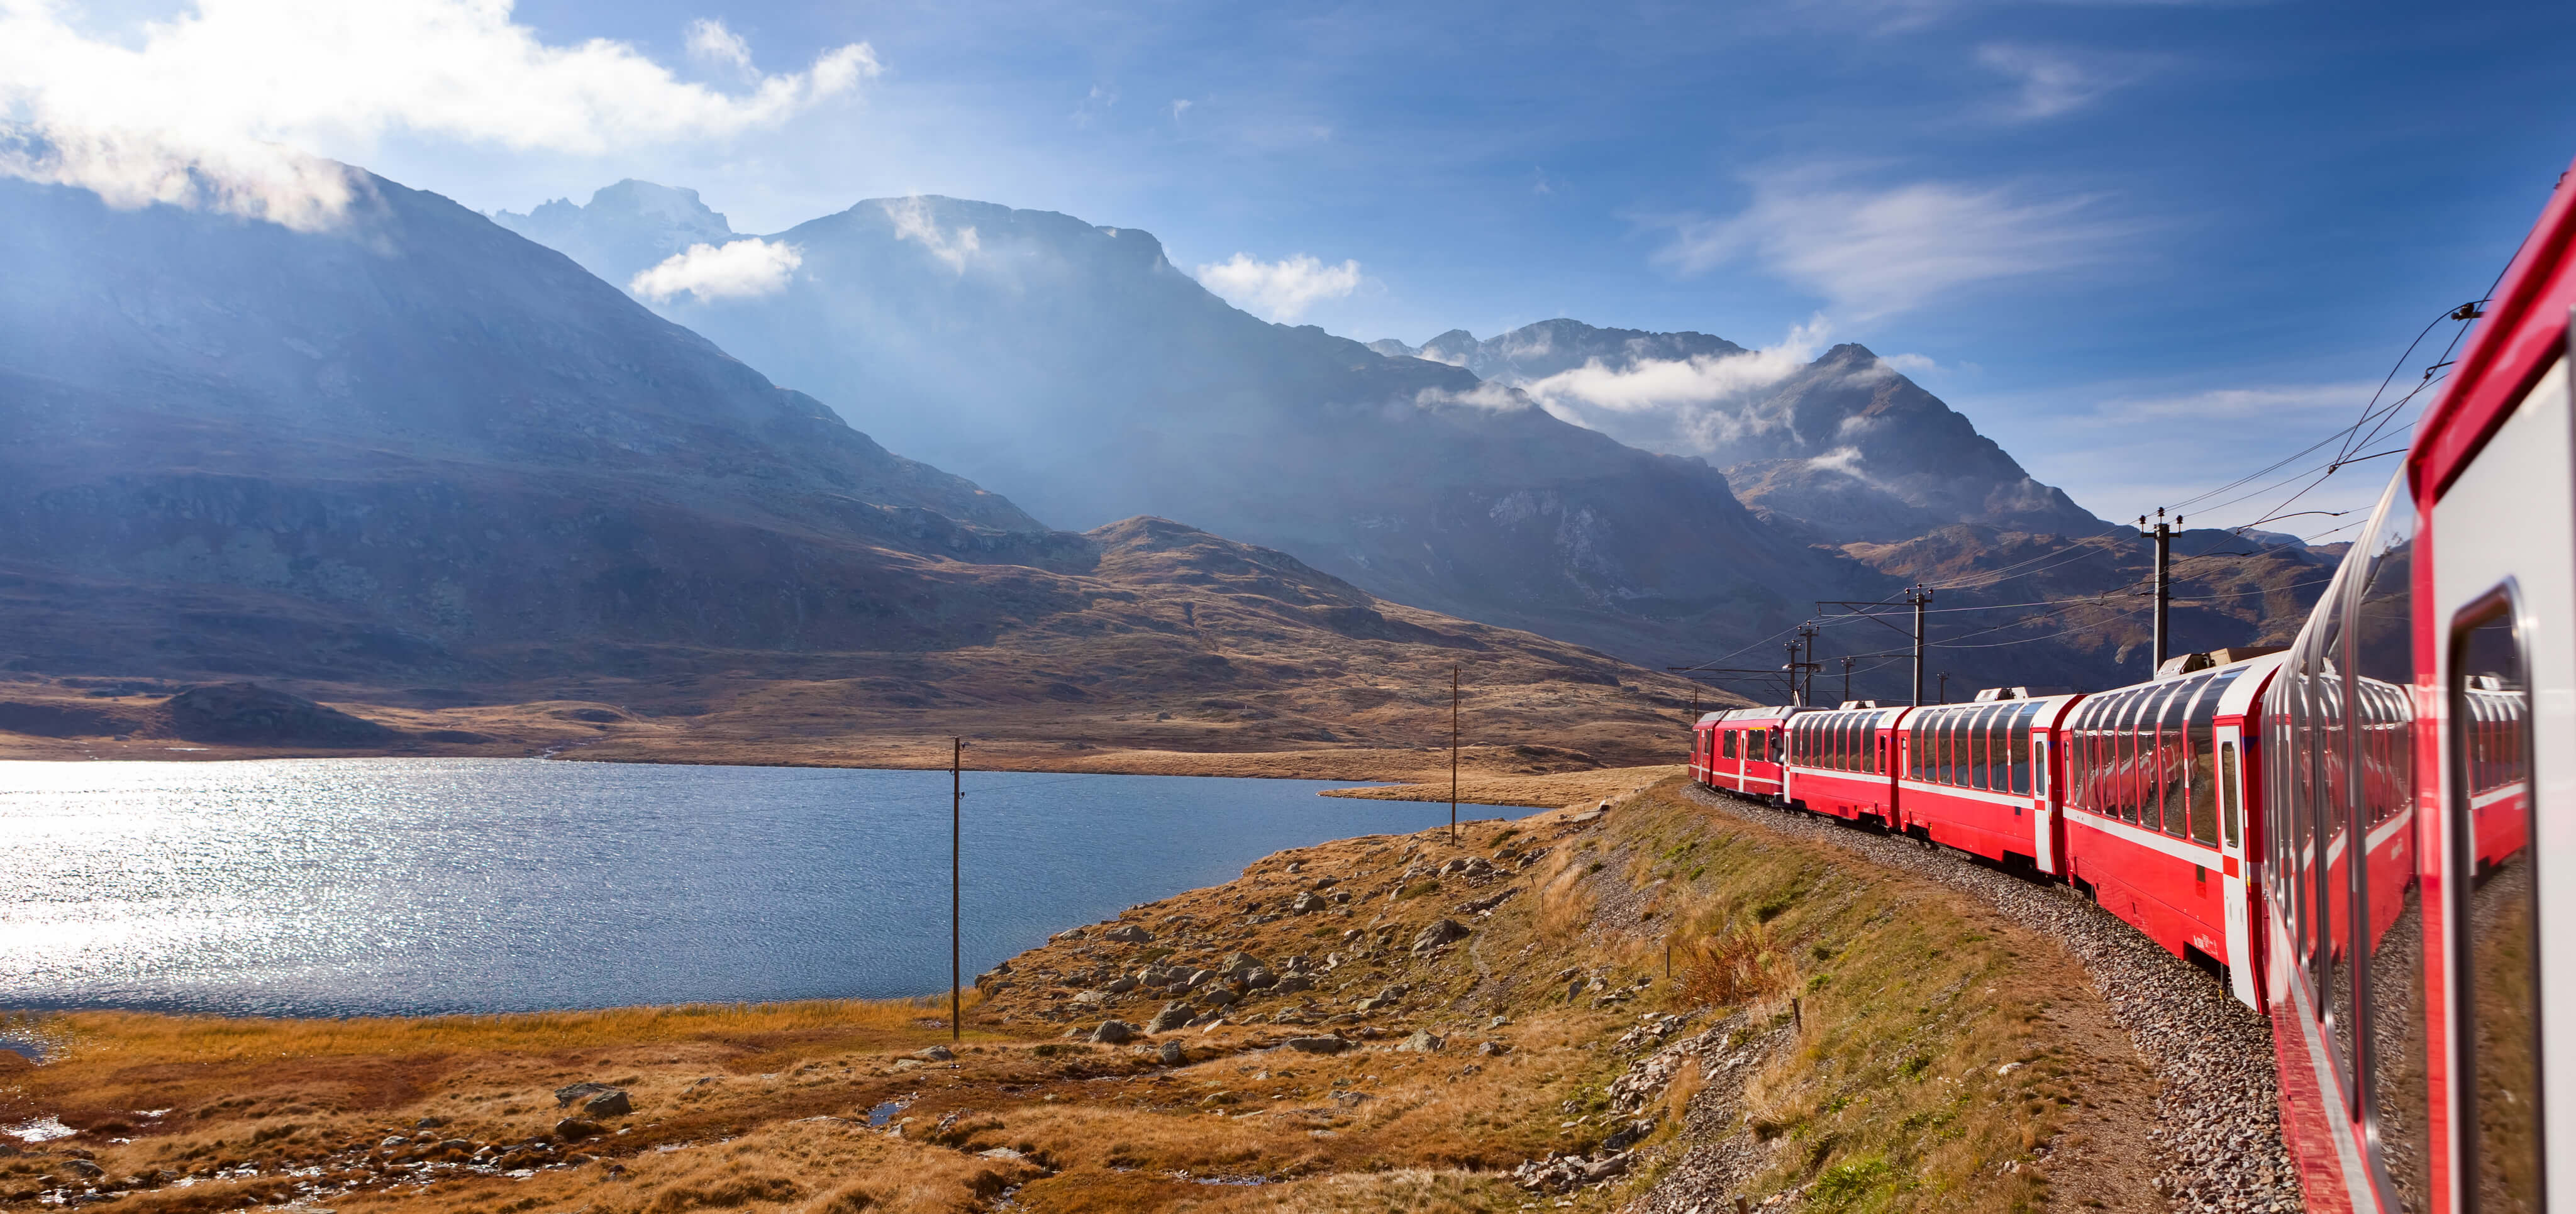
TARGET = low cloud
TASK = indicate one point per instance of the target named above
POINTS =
(914, 222)
(1693, 406)
(1279, 290)
(1487, 395)
(234, 105)
(743, 269)
(1875, 251)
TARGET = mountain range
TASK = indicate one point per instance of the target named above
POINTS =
(418, 460)
(423, 455)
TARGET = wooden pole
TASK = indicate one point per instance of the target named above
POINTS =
(1453, 754)
(956, 831)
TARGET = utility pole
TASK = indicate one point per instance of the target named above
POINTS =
(1920, 598)
(1795, 700)
(1807, 635)
(956, 832)
(1847, 665)
(1945, 687)
(2163, 536)
(1453, 754)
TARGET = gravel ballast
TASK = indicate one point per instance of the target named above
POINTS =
(2218, 1128)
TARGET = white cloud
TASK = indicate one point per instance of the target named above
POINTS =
(1279, 290)
(2242, 404)
(1485, 395)
(711, 41)
(226, 105)
(2052, 82)
(1180, 106)
(1879, 251)
(742, 269)
(913, 222)
(1098, 103)
(1694, 405)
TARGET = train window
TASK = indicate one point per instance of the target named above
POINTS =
(2230, 801)
(2019, 746)
(1954, 751)
(2200, 738)
(1972, 738)
(2079, 753)
(1991, 756)
(2395, 1060)
(2490, 820)
(2171, 757)
(2129, 762)
(1726, 744)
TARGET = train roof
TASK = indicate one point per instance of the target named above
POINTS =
(1774, 712)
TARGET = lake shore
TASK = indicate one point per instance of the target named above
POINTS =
(1391, 1021)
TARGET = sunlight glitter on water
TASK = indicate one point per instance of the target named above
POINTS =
(354, 886)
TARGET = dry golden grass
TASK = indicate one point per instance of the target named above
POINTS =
(1488, 787)
(1885, 1099)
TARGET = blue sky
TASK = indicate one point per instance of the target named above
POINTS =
(2144, 245)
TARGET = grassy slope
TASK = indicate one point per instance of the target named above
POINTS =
(1878, 1091)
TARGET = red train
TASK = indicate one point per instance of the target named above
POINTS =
(2371, 837)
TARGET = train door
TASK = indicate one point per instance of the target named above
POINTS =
(2233, 802)
(2503, 547)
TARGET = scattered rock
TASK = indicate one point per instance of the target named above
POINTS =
(1114, 1032)
(1493, 1049)
(1174, 1015)
(1317, 1045)
(83, 1168)
(1478, 906)
(1218, 996)
(1120, 986)
(1421, 1042)
(574, 1129)
(1307, 904)
(1128, 933)
(611, 1103)
(1628, 1135)
(1172, 1054)
(1443, 931)
(1293, 984)
(936, 1053)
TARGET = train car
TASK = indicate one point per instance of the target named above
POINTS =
(2418, 862)
(1739, 751)
(2156, 817)
(1840, 763)
(1982, 778)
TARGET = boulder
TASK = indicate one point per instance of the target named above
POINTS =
(1421, 1042)
(1443, 931)
(1307, 904)
(1174, 1015)
(1292, 984)
(1128, 933)
(1218, 996)
(1120, 986)
(936, 1053)
(83, 1169)
(1172, 1054)
(578, 1091)
(1114, 1032)
(611, 1103)
(1317, 1045)
(1258, 979)
(574, 1129)
(1494, 1049)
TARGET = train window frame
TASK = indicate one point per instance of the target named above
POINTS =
(2173, 719)
(2458, 788)
(2230, 798)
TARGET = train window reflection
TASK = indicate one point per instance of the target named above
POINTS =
(2383, 643)
(2490, 818)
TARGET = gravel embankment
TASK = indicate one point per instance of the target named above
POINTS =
(2218, 1123)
